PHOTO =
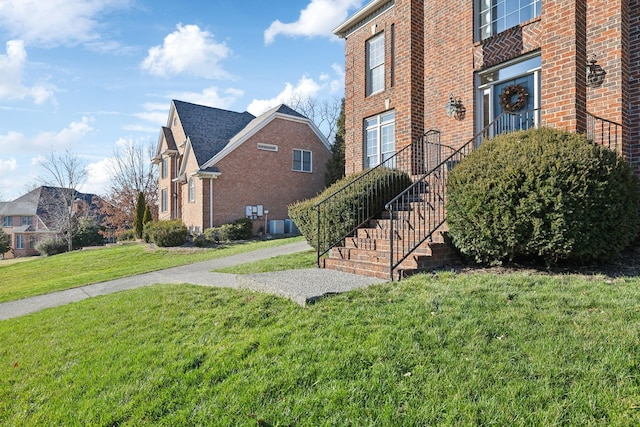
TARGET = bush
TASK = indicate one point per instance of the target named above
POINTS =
(340, 217)
(241, 229)
(127, 235)
(51, 246)
(542, 193)
(167, 233)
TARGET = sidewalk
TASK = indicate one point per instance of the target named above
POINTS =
(301, 286)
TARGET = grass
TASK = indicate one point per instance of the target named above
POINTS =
(78, 268)
(445, 349)
(306, 259)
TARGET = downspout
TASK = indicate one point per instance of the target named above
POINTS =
(210, 202)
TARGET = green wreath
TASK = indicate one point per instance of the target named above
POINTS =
(506, 98)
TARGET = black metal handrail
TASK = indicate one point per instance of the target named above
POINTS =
(418, 212)
(409, 159)
(604, 132)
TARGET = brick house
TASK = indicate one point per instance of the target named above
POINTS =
(28, 219)
(448, 74)
(217, 166)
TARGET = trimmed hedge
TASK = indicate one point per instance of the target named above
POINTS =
(339, 218)
(240, 229)
(542, 193)
(166, 233)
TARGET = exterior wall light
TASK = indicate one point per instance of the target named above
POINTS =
(595, 73)
(454, 108)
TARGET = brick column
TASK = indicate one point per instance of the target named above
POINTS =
(632, 149)
(563, 64)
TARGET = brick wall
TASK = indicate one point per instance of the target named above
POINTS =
(633, 122)
(403, 78)
(250, 176)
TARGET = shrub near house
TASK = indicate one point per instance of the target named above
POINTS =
(542, 193)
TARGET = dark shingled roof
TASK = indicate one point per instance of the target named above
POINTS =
(209, 129)
(168, 136)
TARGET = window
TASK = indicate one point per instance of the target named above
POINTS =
(32, 242)
(302, 161)
(27, 220)
(380, 140)
(165, 167)
(19, 241)
(375, 64)
(163, 200)
(192, 189)
(495, 16)
(6, 221)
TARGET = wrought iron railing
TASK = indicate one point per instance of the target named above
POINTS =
(411, 159)
(604, 132)
(418, 212)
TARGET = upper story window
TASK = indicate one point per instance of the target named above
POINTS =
(375, 64)
(27, 220)
(192, 189)
(6, 221)
(165, 167)
(302, 161)
(495, 16)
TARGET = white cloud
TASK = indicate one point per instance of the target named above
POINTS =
(306, 88)
(188, 50)
(319, 18)
(98, 177)
(55, 22)
(211, 97)
(65, 138)
(8, 165)
(11, 69)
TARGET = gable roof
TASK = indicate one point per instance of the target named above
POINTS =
(34, 202)
(209, 129)
(281, 111)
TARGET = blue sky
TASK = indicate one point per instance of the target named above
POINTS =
(89, 76)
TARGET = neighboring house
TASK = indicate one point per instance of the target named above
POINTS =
(462, 70)
(28, 219)
(217, 166)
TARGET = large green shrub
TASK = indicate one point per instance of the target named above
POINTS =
(167, 233)
(51, 246)
(340, 217)
(542, 193)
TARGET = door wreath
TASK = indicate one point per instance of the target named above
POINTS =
(506, 98)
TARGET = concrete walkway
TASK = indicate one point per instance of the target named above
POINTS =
(301, 286)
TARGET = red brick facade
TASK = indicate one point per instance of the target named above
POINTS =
(433, 49)
(254, 168)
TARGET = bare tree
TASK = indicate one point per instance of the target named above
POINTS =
(324, 113)
(65, 174)
(131, 173)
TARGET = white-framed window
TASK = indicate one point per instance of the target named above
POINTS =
(192, 189)
(375, 64)
(379, 138)
(495, 16)
(19, 241)
(302, 161)
(32, 241)
(6, 221)
(165, 167)
(27, 220)
(164, 196)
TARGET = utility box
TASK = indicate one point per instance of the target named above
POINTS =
(276, 226)
(290, 227)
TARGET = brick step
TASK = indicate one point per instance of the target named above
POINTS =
(382, 233)
(368, 269)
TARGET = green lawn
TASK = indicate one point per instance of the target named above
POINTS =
(447, 349)
(78, 268)
(306, 259)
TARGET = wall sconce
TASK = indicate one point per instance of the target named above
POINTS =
(595, 73)
(454, 108)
